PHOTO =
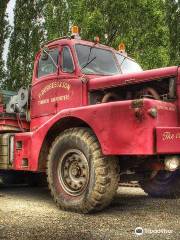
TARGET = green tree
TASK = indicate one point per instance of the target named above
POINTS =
(138, 23)
(24, 42)
(149, 29)
(60, 15)
(4, 31)
(141, 24)
(57, 18)
(173, 21)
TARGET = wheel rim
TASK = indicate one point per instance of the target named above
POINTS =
(73, 172)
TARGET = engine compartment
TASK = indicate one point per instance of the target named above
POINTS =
(163, 89)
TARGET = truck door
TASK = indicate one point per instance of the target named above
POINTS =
(69, 92)
(44, 84)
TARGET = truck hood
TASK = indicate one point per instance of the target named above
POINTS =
(131, 78)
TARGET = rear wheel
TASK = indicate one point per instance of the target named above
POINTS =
(80, 177)
(163, 184)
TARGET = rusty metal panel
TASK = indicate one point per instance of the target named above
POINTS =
(6, 95)
(4, 139)
(3, 162)
(4, 151)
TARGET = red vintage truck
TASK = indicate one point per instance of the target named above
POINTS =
(93, 118)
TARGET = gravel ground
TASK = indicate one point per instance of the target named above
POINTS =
(29, 213)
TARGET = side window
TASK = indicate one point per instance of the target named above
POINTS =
(47, 65)
(67, 61)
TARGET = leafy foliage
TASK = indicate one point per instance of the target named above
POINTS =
(24, 42)
(150, 30)
(173, 21)
(140, 24)
(57, 18)
(4, 31)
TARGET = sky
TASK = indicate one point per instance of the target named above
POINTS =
(10, 13)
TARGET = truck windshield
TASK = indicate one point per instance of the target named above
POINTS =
(93, 60)
(127, 65)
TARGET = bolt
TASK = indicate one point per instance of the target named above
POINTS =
(70, 183)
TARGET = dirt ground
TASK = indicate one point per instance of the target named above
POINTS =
(29, 213)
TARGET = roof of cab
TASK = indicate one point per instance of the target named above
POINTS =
(71, 41)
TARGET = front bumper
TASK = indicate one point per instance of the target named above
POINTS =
(168, 140)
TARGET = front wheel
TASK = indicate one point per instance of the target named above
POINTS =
(163, 184)
(80, 177)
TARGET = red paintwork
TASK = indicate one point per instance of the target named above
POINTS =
(132, 78)
(112, 134)
(168, 140)
(1, 108)
(115, 124)
(9, 124)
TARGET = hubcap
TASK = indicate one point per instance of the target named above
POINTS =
(73, 172)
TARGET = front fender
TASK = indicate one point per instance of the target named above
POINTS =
(118, 130)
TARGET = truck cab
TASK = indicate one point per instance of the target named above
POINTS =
(62, 70)
(91, 119)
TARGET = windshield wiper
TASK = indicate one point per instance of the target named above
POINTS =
(88, 63)
(122, 61)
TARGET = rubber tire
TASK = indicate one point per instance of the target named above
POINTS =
(104, 172)
(167, 189)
